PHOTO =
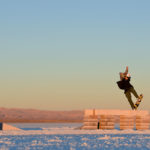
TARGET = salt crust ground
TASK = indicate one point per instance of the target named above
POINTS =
(72, 131)
(69, 138)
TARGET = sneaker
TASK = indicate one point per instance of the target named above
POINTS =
(140, 97)
(135, 107)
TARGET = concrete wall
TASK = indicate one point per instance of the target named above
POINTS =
(105, 119)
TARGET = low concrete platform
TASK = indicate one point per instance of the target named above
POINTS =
(6, 127)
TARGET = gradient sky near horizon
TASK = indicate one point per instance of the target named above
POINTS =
(66, 55)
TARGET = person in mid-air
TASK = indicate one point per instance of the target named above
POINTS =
(124, 84)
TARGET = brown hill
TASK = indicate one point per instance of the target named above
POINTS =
(33, 115)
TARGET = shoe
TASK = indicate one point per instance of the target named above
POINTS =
(140, 97)
(135, 106)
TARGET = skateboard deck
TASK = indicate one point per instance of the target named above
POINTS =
(136, 105)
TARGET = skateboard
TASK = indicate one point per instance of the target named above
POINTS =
(136, 105)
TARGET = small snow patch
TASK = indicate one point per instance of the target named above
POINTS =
(104, 138)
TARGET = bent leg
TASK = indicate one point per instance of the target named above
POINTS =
(134, 92)
(128, 95)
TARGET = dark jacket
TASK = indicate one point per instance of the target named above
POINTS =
(124, 84)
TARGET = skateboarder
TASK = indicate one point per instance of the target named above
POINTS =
(124, 84)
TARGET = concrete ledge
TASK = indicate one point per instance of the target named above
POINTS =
(89, 112)
(6, 127)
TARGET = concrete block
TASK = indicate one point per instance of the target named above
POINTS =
(5, 127)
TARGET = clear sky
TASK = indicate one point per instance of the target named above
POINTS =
(66, 55)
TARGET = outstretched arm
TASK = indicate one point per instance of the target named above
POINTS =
(123, 74)
(126, 71)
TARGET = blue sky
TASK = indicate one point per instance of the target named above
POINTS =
(62, 55)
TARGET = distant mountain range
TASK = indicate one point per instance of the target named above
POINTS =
(33, 115)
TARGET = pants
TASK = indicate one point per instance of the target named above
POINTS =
(128, 95)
